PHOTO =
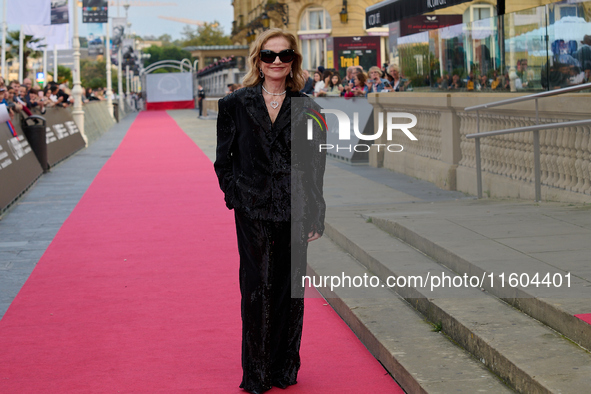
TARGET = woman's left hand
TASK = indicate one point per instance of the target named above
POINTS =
(313, 236)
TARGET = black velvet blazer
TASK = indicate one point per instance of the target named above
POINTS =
(257, 169)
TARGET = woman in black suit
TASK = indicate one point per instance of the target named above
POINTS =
(273, 181)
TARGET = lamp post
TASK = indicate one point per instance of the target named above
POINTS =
(109, 78)
(78, 112)
(4, 40)
(344, 14)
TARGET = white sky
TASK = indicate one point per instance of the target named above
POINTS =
(145, 21)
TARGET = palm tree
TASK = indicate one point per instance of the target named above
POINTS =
(13, 40)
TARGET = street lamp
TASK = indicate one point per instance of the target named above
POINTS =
(77, 112)
(265, 20)
(344, 14)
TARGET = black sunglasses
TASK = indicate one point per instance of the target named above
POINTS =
(285, 55)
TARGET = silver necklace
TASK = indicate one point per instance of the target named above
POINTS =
(274, 103)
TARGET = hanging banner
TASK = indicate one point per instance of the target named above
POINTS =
(118, 31)
(95, 11)
(96, 44)
(51, 35)
(18, 12)
(59, 12)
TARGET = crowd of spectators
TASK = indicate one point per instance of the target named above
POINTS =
(28, 98)
(356, 83)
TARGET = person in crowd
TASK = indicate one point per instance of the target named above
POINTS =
(376, 82)
(28, 83)
(359, 88)
(334, 87)
(200, 99)
(506, 81)
(9, 106)
(456, 83)
(577, 76)
(326, 77)
(309, 85)
(34, 100)
(471, 83)
(496, 80)
(254, 174)
(21, 98)
(318, 83)
(58, 96)
(398, 83)
(349, 75)
(483, 83)
(90, 95)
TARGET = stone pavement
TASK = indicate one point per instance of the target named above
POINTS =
(455, 230)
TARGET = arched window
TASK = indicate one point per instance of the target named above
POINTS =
(315, 27)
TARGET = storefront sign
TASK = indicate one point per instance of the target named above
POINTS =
(389, 11)
(356, 51)
(421, 23)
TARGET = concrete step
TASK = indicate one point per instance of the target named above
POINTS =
(467, 252)
(421, 359)
(524, 353)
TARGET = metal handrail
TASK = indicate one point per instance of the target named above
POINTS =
(549, 93)
(536, 130)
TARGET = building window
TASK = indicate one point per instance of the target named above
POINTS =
(566, 10)
(315, 27)
(479, 11)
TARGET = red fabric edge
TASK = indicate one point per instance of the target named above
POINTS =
(165, 105)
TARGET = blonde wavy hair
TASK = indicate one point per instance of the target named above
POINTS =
(253, 78)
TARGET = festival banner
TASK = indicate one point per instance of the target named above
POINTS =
(18, 12)
(59, 12)
(95, 11)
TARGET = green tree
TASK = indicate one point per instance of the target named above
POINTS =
(166, 53)
(13, 40)
(94, 75)
(63, 74)
(207, 34)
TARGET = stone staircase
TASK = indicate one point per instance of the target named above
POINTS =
(453, 339)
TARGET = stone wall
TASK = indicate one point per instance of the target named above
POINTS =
(443, 155)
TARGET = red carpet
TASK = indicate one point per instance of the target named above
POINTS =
(138, 291)
(586, 317)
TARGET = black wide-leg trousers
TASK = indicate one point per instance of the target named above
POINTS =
(272, 309)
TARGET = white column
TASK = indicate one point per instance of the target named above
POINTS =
(55, 63)
(109, 78)
(78, 112)
(45, 67)
(120, 78)
(4, 75)
(21, 44)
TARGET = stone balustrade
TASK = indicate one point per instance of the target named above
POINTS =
(444, 156)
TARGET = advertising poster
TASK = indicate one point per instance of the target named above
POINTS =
(356, 51)
(95, 11)
(59, 12)
(96, 43)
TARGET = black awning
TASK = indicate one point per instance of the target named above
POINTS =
(389, 11)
